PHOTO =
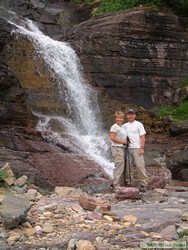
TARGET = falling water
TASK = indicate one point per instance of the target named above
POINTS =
(83, 120)
(161, 160)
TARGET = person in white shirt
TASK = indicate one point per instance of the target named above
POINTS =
(136, 134)
(118, 137)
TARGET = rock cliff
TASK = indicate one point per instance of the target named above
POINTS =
(13, 106)
(25, 85)
(138, 56)
(135, 57)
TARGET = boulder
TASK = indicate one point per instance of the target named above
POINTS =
(183, 175)
(10, 177)
(178, 128)
(14, 210)
(182, 230)
(184, 216)
(153, 196)
(21, 181)
(158, 177)
(178, 164)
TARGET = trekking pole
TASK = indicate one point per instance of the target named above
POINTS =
(129, 166)
(127, 161)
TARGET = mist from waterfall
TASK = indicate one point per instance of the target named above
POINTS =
(82, 120)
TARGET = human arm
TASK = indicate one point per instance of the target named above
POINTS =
(116, 140)
(142, 144)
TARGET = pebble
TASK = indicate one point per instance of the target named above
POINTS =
(26, 225)
(47, 228)
(29, 231)
(4, 235)
(84, 245)
(184, 216)
(145, 234)
(155, 235)
(130, 218)
(121, 237)
(108, 218)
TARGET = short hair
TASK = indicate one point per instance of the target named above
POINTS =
(119, 113)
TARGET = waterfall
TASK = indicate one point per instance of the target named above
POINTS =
(82, 121)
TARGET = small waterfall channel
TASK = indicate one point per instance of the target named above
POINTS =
(82, 123)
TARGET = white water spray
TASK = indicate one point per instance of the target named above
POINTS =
(84, 117)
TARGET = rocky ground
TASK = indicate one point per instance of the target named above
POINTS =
(68, 218)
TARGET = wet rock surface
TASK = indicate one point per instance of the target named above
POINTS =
(46, 164)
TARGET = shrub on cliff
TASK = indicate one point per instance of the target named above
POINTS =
(178, 112)
(116, 5)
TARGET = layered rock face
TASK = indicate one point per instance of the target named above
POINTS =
(13, 106)
(33, 75)
(138, 56)
(53, 17)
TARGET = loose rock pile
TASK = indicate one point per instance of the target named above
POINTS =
(68, 218)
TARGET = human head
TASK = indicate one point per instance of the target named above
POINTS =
(119, 115)
(131, 115)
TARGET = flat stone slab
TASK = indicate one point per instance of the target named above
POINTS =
(153, 216)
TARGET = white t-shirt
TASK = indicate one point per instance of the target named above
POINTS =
(134, 131)
(120, 134)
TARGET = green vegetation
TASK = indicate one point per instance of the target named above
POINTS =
(184, 83)
(179, 112)
(3, 175)
(116, 5)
